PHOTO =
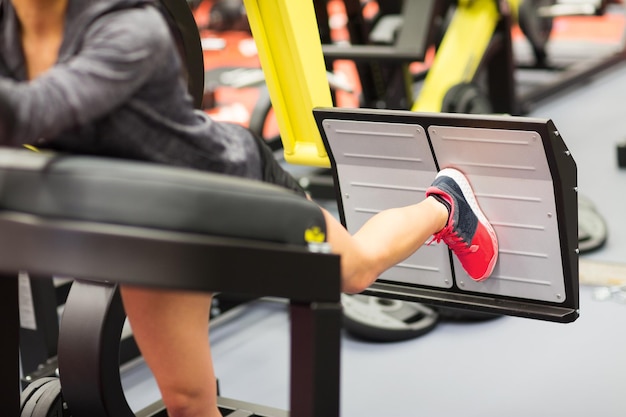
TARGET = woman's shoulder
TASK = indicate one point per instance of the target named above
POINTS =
(144, 25)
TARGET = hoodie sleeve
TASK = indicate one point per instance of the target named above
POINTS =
(119, 53)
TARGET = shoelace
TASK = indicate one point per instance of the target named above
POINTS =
(454, 241)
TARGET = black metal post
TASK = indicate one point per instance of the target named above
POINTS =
(9, 348)
(501, 70)
(315, 359)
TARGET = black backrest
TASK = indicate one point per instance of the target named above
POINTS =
(187, 36)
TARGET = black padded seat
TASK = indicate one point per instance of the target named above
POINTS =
(131, 193)
(106, 222)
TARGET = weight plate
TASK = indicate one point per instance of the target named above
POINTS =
(43, 399)
(592, 229)
(466, 98)
(386, 320)
(51, 403)
(33, 389)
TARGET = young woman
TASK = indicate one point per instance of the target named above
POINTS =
(103, 77)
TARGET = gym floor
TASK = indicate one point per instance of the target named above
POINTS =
(506, 366)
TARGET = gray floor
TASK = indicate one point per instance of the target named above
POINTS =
(505, 367)
(591, 119)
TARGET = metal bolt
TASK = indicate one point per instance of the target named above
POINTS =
(304, 182)
(319, 247)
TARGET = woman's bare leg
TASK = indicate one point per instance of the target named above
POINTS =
(172, 328)
(172, 331)
(386, 239)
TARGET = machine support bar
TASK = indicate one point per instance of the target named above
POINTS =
(295, 73)
(315, 356)
(9, 349)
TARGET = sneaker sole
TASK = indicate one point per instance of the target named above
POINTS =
(468, 194)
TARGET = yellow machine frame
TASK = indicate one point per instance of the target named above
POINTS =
(461, 51)
(290, 52)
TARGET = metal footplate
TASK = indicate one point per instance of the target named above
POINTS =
(525, 181)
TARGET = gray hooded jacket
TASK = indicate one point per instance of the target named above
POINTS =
(115, 90)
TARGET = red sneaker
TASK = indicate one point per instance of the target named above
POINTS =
(468, 232)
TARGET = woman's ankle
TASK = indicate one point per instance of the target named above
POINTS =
(185, 406)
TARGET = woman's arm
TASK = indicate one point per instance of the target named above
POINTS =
(120, 52)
